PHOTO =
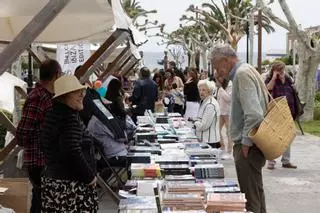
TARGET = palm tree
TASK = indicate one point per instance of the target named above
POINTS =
(134, 10)
(230, 19)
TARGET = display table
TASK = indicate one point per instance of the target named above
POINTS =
(187, 176)
(17, 195)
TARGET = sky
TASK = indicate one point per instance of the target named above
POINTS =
(306, 13)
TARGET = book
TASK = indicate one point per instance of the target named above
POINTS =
(145, 203)
(139, 157)
(219, 182)
(225, 202)
(209, 171)
(232, 189)
(179, 178)
(175, 169)
(170, 210)
(145, 170)
(183, 201)
(152, 150)
(183, 187)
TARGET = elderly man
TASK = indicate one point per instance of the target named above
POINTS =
(247, 110)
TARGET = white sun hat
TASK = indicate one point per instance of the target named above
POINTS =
(66, 84)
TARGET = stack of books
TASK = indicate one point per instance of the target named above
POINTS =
(229, 189)
(209, 171)
(199, 153)
(178, 159)
(183, 201)
(175, 169)
(149, 136)
(170, 210)
(145, 170)
(185, 188)
(193, 162)
(138, 204)
(179, 178)
(139, 157)
(219, 182)
(145, 149)
(217, 202)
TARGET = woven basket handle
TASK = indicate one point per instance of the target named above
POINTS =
(258, 78)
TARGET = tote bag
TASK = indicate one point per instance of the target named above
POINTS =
(277, 130)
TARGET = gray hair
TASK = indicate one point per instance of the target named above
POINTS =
(211, 87)
(223, 50)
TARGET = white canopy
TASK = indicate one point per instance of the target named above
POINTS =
(89, 20)
(8, 82)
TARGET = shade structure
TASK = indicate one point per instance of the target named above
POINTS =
(8, 82)
(90, 20)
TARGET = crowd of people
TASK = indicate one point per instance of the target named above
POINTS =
(64, 122)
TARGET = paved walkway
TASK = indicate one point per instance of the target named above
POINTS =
(287, 190)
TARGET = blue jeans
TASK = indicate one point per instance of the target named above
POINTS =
(285, 158)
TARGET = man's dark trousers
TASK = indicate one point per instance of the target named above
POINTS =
(249, 172)
(34, 174)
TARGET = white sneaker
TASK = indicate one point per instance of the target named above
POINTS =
(226, 156)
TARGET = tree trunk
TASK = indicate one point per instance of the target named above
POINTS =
(204, 60)
(234, 44)
(192, 60)
(305, 82)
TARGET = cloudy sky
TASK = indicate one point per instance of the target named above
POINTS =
(306, 13)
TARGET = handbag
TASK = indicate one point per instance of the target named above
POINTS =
(298, 105)
(277, 130)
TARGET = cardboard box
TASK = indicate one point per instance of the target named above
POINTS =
(18, 194)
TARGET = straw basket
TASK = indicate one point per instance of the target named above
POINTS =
(277, 131)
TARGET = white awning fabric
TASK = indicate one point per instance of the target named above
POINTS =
(90, 20)
(123, 21)
(8, 82)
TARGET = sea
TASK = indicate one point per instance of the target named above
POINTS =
(151, 59)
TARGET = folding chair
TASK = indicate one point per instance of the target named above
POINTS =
(114, 173)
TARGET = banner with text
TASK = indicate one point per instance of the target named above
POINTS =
(71, 55)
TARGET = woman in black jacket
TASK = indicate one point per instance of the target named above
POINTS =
(191, 94)
(70, 176)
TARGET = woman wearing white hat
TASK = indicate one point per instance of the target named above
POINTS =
(70, 176)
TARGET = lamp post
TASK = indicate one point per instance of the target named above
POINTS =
(30, 76)
(260, 41)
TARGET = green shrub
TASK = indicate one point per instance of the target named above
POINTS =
(3, 130)
(266, 62)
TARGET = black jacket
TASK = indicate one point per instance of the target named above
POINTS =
(144, 95)
(88, 105)
(67, 146)
(191, 92)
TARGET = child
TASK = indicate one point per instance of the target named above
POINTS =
(168, 100)
(179, 99)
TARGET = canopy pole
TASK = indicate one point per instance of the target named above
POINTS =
(101, 54)
(126, 62)
(38, 54)
(117, 65)
(129, 66)
(121, 61)
(113, 63)
(30, 32)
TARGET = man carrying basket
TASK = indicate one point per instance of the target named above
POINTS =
(248, 108)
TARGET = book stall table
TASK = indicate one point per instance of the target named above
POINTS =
(171, 171)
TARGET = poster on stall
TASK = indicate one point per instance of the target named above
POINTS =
(71, 55)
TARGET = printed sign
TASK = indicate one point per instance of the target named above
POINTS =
(71, 55)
